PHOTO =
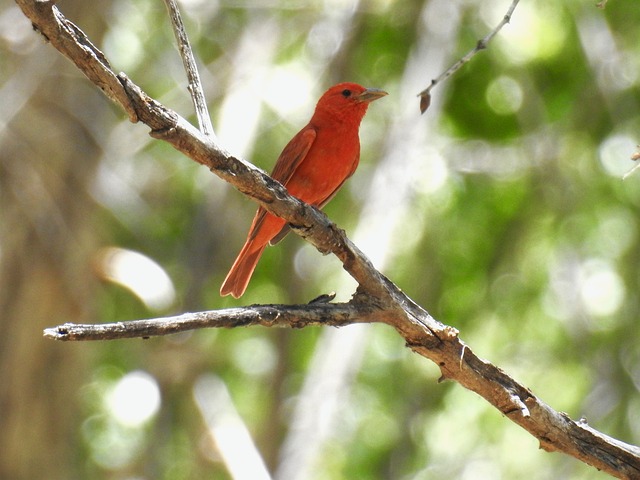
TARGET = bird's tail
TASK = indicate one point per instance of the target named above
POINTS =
(242, 269)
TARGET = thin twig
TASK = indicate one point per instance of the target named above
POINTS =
(195, 85)
(425, 95)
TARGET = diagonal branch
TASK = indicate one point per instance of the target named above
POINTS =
(377, 298)
(425, 95)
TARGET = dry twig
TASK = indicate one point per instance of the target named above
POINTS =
(191, 69)
(377, 299)
(425, 95)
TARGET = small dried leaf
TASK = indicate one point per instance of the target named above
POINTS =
(425, 101)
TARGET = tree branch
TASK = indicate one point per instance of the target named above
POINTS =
(377, 298)
(425, 95)
(294, 316)
(190, 67)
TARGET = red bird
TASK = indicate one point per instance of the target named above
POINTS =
(313, 166)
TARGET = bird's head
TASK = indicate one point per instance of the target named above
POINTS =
(347, 102)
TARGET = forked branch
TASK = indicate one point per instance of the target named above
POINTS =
(377, 299)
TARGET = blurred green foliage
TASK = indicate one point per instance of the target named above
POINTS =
(503, 212)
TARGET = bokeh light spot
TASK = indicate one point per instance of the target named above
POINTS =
(139, 274)
(614, 154)
(134, 399)
(504, 95)
(601, 288)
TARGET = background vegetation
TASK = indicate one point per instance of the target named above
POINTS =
(502, 211)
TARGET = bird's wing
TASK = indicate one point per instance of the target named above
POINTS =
(285, 230)
(353, 169)
(287, 162)
(293, 154)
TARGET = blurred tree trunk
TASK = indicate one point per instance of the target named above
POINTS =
(47, 236)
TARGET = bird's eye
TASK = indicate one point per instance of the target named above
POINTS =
(346, 93)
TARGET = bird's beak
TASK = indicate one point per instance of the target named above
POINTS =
(371, 94)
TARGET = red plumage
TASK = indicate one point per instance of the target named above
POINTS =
(313, 166)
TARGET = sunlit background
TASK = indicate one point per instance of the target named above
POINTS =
(502, 210)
